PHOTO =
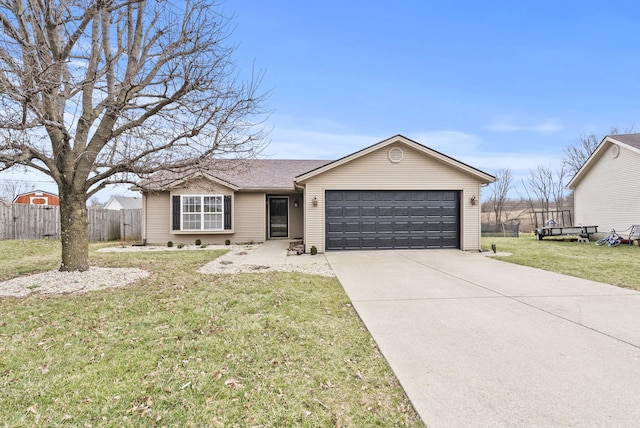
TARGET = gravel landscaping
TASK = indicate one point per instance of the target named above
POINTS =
(96, 278)
(56, 282)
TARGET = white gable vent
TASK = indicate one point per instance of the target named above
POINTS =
(615, 151)
(395, 154)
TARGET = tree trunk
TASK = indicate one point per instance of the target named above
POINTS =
(74, 231)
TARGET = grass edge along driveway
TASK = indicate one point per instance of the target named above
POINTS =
(610, 265)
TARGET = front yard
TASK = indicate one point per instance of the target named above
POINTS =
(611, 265)
(187, 349)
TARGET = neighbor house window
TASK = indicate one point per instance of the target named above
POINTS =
(201, 212)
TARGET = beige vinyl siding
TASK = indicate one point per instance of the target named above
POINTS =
(296, 216)
(248, 214)
(375, 171)
(157, 218)
(609, 194)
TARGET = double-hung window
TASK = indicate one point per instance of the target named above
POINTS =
(202, 212)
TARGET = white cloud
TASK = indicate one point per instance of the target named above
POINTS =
(547, 126)
(291, 143)
(451, 143)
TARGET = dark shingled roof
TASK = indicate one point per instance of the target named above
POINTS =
(244, 174)
(632, 140)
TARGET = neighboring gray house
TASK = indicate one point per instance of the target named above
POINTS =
(124, 203)
(394, 194)
(606, 190)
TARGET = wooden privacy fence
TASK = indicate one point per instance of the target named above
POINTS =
(19, 221)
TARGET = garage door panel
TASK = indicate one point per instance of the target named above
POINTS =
(351, 196)
(401, 212)
(369, 243)
(335, 212)
(417, 211)
(334, 196)
(385, 227)
(368, 227)
(385, 211)
(435, 211)
(352, 211)
(368, 211)
(401, 196)
(449, 212)
(418, 242)
(391, 219)
(385, 242)
(450, 227)
(368, 195)
(401, 227)
(418, 196)
(402, 242)
(334, 227)
(351, 227)
(418, 226)
(434, 226)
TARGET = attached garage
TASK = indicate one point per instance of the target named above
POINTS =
(397, 194)
(392, 219)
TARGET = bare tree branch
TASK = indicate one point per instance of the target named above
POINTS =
(93, 92)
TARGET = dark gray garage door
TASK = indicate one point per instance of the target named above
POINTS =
(384, 219)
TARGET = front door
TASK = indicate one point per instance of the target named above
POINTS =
(278, 217)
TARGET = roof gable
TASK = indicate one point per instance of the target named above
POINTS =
(628, 141)
(399, 139)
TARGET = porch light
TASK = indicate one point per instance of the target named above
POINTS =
(295, 203)
(473, 200)
(314, 201)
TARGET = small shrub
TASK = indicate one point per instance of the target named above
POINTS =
(198, 242)
(180, 245)
(170, 244)
(314, 250)
(203, 246)
(493, 248)
(227, 242)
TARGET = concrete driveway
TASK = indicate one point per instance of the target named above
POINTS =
(479, 342)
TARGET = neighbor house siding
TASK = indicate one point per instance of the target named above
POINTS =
(609, 194)
(374, 171)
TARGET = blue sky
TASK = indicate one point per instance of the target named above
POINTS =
(494, 84)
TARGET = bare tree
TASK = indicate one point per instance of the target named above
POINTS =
(545, 186)
(576, 154)
(9, 189)
(499, 192)
(558, 188)
(539, 187)
(98, 92)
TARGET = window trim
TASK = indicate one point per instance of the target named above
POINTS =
(178, 214)
(201, 213)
